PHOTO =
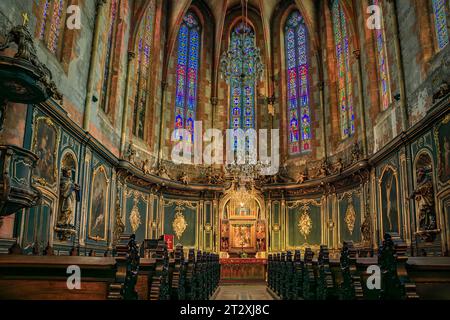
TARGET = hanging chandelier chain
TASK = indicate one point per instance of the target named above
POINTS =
(242, 61)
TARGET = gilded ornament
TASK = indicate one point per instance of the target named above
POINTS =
(179, 224)
(305, 223)
(135, 217)
(350, 216)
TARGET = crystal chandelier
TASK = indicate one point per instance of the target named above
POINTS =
(242, 62)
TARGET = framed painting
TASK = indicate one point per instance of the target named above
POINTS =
(389, 201)
(442, 139)
(98, 217)
(45, 146)
(243, 236)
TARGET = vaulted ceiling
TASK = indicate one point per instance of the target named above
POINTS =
(220, 8)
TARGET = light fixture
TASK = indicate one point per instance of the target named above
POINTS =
(242, 62)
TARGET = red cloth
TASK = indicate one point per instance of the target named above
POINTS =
(243, 261)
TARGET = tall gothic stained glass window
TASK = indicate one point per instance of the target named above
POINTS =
(242, 93)
(51, 23)
(344, 77)
(440, 21)
(299, 121)
(187, 76)
(383, 70)
(109, 52)
(144, 45)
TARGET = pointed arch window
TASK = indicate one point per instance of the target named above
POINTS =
(51, 24)
(187, 76)
(383, 67)
(242, 93)
(299, 120)
(144, 45)
(113, 15)
(344, 76)
(440, 22)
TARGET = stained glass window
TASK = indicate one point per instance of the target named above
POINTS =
(383, 69)
(187, 76)
(344, 77)
(51, 23)
(440, 21)
(44, 14)
(242, 93)
(144, 44)
(299, 121)
(109, 51)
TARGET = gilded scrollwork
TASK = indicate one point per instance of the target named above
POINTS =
(305, 222)
(179, 223)
(135, 217)
(350, 216)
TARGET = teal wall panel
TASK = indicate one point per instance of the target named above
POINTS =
(188, 237)
(295, 238)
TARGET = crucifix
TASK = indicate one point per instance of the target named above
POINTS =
(25, 18)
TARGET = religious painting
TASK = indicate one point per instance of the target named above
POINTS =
(442, 137)
(45, 146)
(242, 236)
(260, 236)
(389, 204)
(224, 236)
(99, 205)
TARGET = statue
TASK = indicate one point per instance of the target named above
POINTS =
(339, 166)
(162, 172)
(69, 192)
(183, 178)
(356, 152)
(283, 174)
(442, 91)
(323, 170)
(131, 153)
(303, 176)
(424, 196)
(146, 168)
(213, 178)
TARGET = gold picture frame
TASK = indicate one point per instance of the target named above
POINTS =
(42, 152)
(97, 172)
(242, 233)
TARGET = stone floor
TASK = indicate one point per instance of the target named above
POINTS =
(243, 292)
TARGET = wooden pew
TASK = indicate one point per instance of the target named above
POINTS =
(346, 278)
(431, 276)
(297, 279)
(325, 284)
(351, 287)
(177, 287)
(309, 276)
(45, 277)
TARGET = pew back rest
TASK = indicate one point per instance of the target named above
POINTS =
(45, 277)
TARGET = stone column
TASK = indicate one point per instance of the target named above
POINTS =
(161, 123)
(399, 63)
(362, 108)
(126, 105)
(92, 65)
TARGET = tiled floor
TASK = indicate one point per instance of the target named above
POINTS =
(243, 292)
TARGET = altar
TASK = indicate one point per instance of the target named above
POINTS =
(243, 270)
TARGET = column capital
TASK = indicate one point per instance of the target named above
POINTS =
(131, 55)
(214, 101)
(321, 85)
(100, 3)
